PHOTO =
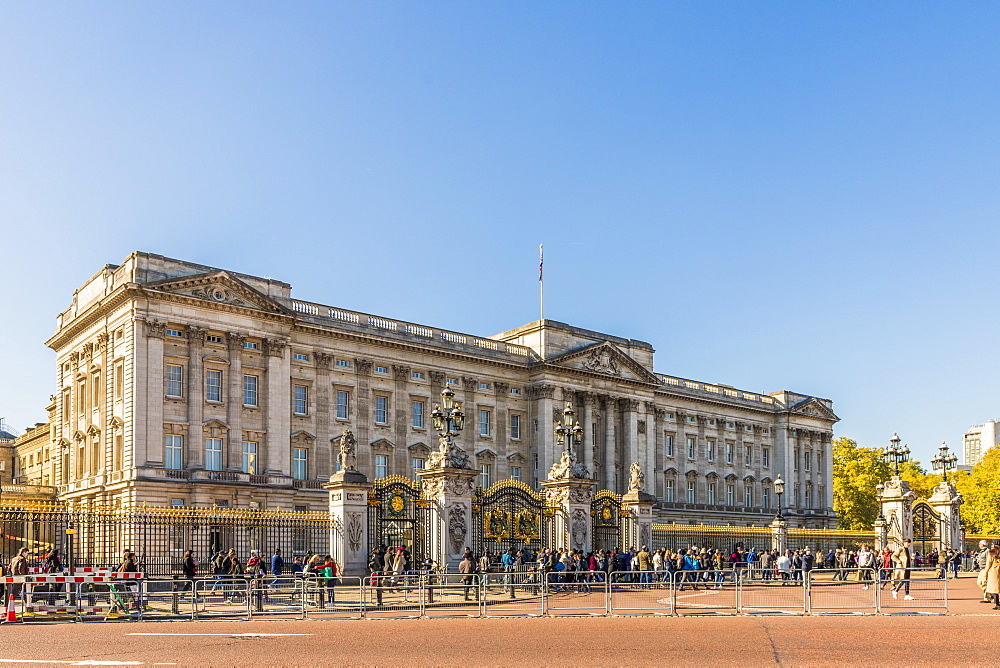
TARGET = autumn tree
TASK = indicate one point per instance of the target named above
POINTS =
(856, 472)
(981, 491)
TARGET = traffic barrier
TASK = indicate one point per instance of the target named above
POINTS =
(222, 599)
(639, 593)
(769, 597)
(575, 594)
(693, 595)
(450, 595)
(519, 594)
(928, 594)
(166, 600)
(342, 600)
(390, 596)
(828, 593)
(272, 596)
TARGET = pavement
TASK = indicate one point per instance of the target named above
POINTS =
(966, 637)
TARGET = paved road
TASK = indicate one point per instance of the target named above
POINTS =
(756, 641)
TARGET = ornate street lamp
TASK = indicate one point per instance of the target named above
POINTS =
(896, 453)
(569, 433)
(779, 489)
(945, 461)
(448, 423)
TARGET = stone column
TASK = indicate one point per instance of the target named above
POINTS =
(501, 423)
(234, 406)
(323, 409)
(543, 400)
(363, 421)
(947, 503)
(571, 499)
(630, 427)
(349, 521)
(195, 456)
(881, 534)
(587, 447)
(450, 491)
(897, 509)
(610, 412)
(652, 428)
(401, 419)
(279, 409)
(779, 535)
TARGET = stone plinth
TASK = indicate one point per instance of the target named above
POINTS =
(349, 510)
(947, 502)
(779, 535)
(451, 492)
(571, 523)
(638, 509)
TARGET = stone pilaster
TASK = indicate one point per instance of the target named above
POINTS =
(586, 454)
(349, 531)
(571, 499)
(279, 410)
(149, 446)
(947, 502)
(608, 477)
(194, 457)
(779, 535)
(401, 402)
(450, 491)
(234, 406)
(897, 509)
(363, 419)
(543, 403)
(324, 409)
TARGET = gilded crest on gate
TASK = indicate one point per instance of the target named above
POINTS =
(396, 507)
(526, 526)
(497, 524)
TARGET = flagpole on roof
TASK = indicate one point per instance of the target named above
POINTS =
(541, 295)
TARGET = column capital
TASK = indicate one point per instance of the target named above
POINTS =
(363, 366)
(275, 347)
(501, 388)
(470, 383)
(400, 372)
(235, 341)
(437, 377)
(154, 329)
(540, 391)
(322, 360)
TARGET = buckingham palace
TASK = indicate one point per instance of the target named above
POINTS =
(180, 384)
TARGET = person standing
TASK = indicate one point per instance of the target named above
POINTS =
(645, 563)
(18, 566)
(903, 560)
(277, 567)
(467, 568)
(189, 570)
(981, 558)
(866, 562)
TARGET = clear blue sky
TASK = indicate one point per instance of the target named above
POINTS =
(798, 195)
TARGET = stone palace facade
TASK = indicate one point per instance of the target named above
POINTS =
(182, 384)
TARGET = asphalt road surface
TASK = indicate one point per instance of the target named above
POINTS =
(747, 641)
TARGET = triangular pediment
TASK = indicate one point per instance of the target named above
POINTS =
(605, 359)
(219, 287)
(302, 435)
(382, 444)
(813, 407)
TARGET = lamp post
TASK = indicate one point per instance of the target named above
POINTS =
(568, 432)
(448, 423)
(896, 453)
(779, 489)
(944, 461)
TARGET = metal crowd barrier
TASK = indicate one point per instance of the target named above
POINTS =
(928, 593)
(705, 592)
(575, 593)
(521, 593)
(787, 595)
(632, 593)
(857, 594)
(333, 598)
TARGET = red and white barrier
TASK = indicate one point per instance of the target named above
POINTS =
(45, 578)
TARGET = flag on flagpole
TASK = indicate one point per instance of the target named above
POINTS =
(541, 260)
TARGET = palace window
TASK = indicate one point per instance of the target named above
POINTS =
(249, 390)
(819, 462)
(95, 390)
(417, 375)
(668, 445)
(381, 369)
(250, 457)
(514, 390)
(213, 454)
(808, 459)
(729, 454)
(515, 426)
(213, 385)
(381, 466)
(418, 414)
(484, 476)
(765, 457)
(748, 496)
(710, 449)
(174, 454)
(301, 400)
(515, 472)
(711, 493)
(250, 345)
(452, 381)
(381, 410)
(175, 381)
(691, 493)
(766, 492)
(484, 386)
(302, 357)
(690, 447)
(213, 338)
(748, 455)
(300, 462)
(418, 464)
(730, 495)
(343, 399)
(343, 363)
(484, 423)
(669, 491)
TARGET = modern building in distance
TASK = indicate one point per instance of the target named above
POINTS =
(978, 439)
(183, 384)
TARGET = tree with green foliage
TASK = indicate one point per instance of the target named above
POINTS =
(981, 491)
(856, 473)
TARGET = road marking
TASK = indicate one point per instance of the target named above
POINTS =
(226, 635)
(88, 662)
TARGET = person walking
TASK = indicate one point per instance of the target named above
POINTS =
(866, 562)
(277, 567)
(784, 566)
(189, 571)
(467, 568)
(329, 571)
(982, 556)
(903, 559)
(645, 562)
(18, 566)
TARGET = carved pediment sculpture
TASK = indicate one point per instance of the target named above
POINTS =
(602, 361)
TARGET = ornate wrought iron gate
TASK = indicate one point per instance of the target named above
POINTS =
(399, 515)
(926, 528)
(609, 521)
(510, 515)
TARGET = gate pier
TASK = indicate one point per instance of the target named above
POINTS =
(570, 499)
(349, 521)
(450, 492)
